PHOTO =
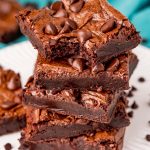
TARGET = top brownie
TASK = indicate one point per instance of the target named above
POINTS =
(9, 28)
(91, 29)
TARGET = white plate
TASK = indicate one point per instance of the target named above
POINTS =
(21, 58)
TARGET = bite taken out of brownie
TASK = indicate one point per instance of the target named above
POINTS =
(92, 30)
(12, 113)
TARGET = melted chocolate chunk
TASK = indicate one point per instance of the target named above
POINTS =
(5, 8)
(98, 68)
(108, 26)
(61, 13)
(8, 105)
(14, 83)
(83, 35)
(141, 79)
(8, 146)
(147, 137)
(134, 105)
(77, 6)
(78, 64)
(68, 26)
(57, 6)
(50, 29)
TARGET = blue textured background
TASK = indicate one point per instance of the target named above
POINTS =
(138, 11)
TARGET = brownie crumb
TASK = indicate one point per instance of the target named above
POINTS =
(130, 114)
(130, 94)
(147, 137)
(134, 105)
(8, 146)
(141, 79)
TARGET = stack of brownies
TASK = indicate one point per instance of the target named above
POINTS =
(76, 100)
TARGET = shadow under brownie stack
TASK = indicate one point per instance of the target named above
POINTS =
(75, 99)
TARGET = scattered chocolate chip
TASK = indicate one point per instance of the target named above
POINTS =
(130, 94)
(50, 29)
(133, 88)
(57, 6)
(8, 146)
(134, 105)
(78, 64)
(149, 122)
(147, 137)
(5, 7)
(14, 83)
(113, 65)
(83, 35)
(8, 105)
(98, 68)
(77, 6)
(141, 79)
(108, 26)
(130, 114)
(31, 5)
(61, 13)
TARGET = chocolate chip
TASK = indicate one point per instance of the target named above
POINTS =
(98, 68)
(130, 94)
(144, 41)
(141, 79)
(134, 105)
(108, 26)
(113, 65)
(147, 137)
(77, 6)
(83, 35)
(68, 25)
(14, 83)
(149, 122)
(133, 88)
(130, 114)
(57, 6)
(8, 105)
(50, 29)
(8, 146)
(61, 13)
(78, 64)
(5, 8)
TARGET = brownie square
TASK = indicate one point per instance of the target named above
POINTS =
(75, 74)
(95, 105)
(9, 28)
(44, 125)
(102, 140)
(92, 30)
(12, 113)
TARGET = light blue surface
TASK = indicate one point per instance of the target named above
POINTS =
(138, 11)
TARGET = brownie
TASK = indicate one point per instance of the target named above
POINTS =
(102, 140)
(92, 105)
(75, 74)
(133, 61)
(44, 125)
(12, 113)
(9, 28)
(92, 30)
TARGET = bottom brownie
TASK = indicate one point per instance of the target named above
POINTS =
(12, 113)
(103, 140)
